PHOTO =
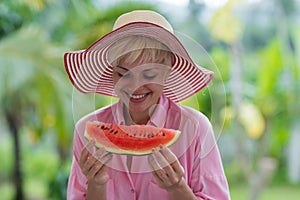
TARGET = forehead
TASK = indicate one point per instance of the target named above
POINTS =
(141, 66)
(146, 58)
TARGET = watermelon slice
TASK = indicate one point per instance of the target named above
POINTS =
(130, 140)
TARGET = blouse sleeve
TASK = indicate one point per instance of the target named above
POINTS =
(77, 183)
(208, 180)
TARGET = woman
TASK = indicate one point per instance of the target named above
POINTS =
(146, 66)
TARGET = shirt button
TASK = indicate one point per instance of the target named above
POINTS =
(132, 190)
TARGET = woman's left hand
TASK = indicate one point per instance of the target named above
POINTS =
(167, 170)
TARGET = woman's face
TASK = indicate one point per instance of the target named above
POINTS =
(139, 86)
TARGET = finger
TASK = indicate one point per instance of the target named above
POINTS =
(90, 145)
(89, 163)
(101, 152)
(94, 170)
(158, 179)
(153, 163)
(85, 152)
(168, 154)
(163, 163)
(172, 159)
(157, 171)
(100, 165)
(106, 159)
(101, 176)
(99, 155)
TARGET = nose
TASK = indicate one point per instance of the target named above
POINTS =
(134, 83)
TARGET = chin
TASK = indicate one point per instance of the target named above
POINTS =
(138, 109)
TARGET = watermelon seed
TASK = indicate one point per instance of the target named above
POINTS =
(98, 126)
(111, 131)
(164, 134)
(102, 127)
(115, 132)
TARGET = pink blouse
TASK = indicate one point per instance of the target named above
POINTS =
(196, 150)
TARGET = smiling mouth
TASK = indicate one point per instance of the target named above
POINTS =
(137, 98)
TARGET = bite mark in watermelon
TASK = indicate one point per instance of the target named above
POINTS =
(130, 140)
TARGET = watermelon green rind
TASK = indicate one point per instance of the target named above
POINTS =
(117, 150)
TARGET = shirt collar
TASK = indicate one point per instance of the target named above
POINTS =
(157, 119)
(117, 112)
(159, 115)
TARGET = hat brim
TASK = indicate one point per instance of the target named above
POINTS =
(90, 72)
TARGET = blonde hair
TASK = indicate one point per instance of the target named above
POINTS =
(139, 49)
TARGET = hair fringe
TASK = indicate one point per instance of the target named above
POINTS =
(139, 49)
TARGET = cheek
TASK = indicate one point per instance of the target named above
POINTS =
(118, 81)
(119, 84)
(115, 78)
(157, 88)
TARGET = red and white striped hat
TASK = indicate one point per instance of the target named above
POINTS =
(90, 71)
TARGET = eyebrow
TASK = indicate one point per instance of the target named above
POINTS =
(122, 68)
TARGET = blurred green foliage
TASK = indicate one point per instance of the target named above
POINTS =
(36, 95)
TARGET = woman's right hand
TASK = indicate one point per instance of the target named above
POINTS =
(93, 166)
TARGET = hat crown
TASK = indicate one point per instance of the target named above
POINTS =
(143, 16)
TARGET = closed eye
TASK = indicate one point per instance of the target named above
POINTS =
(152, 76)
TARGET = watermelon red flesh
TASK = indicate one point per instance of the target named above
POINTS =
(135, 139)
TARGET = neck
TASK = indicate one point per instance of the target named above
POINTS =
(140, 118)
(136, 118)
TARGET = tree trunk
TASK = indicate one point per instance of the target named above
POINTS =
(14, 127)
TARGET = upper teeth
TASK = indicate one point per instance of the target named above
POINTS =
(137, 96)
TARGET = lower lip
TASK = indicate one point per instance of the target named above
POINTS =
(138, 100)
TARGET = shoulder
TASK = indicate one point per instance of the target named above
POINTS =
(189, 115)
(195, 128)
(192, 123)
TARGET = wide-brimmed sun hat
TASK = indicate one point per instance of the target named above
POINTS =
(90, 71)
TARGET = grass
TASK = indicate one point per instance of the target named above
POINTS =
(274, 192)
